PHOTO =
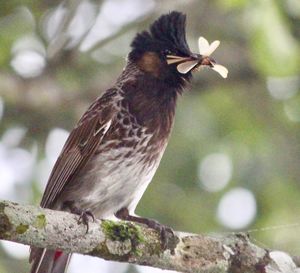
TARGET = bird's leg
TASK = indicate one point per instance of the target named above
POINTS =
(163, 230)
(84, 214)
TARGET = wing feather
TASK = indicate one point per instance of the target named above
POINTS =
(80, 145)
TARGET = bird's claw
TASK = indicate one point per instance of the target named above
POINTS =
(167, 237)
(166, 233)
(84, 218)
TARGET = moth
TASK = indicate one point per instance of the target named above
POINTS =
(205, 50)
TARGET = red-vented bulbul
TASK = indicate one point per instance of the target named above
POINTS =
(112, 154)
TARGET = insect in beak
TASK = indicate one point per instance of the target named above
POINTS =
(186, 64)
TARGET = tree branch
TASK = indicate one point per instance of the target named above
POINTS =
(132, 243)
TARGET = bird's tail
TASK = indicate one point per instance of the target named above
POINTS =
(48, 261)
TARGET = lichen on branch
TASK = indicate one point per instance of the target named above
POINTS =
(135, 243)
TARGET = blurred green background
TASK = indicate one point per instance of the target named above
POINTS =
(233, 159)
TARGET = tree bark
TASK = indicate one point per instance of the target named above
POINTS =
(137, 244)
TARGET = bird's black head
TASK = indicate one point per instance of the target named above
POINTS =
(159, 50)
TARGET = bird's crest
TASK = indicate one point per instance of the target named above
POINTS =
(168, 29)
(171, 28)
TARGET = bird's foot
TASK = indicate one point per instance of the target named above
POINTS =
(165, 232)
(84, 218)
(84, 214)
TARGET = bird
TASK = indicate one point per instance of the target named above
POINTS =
(112, 154)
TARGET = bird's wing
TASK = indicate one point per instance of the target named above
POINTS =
(80, 145)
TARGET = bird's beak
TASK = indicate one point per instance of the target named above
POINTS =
(185, 64)
(172, 59)
(195, 62)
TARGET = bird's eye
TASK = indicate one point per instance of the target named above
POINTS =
(167, 52)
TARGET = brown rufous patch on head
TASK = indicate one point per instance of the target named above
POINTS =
(151, 63)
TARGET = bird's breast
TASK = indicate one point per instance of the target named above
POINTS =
(119, 176)
(123, 165)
